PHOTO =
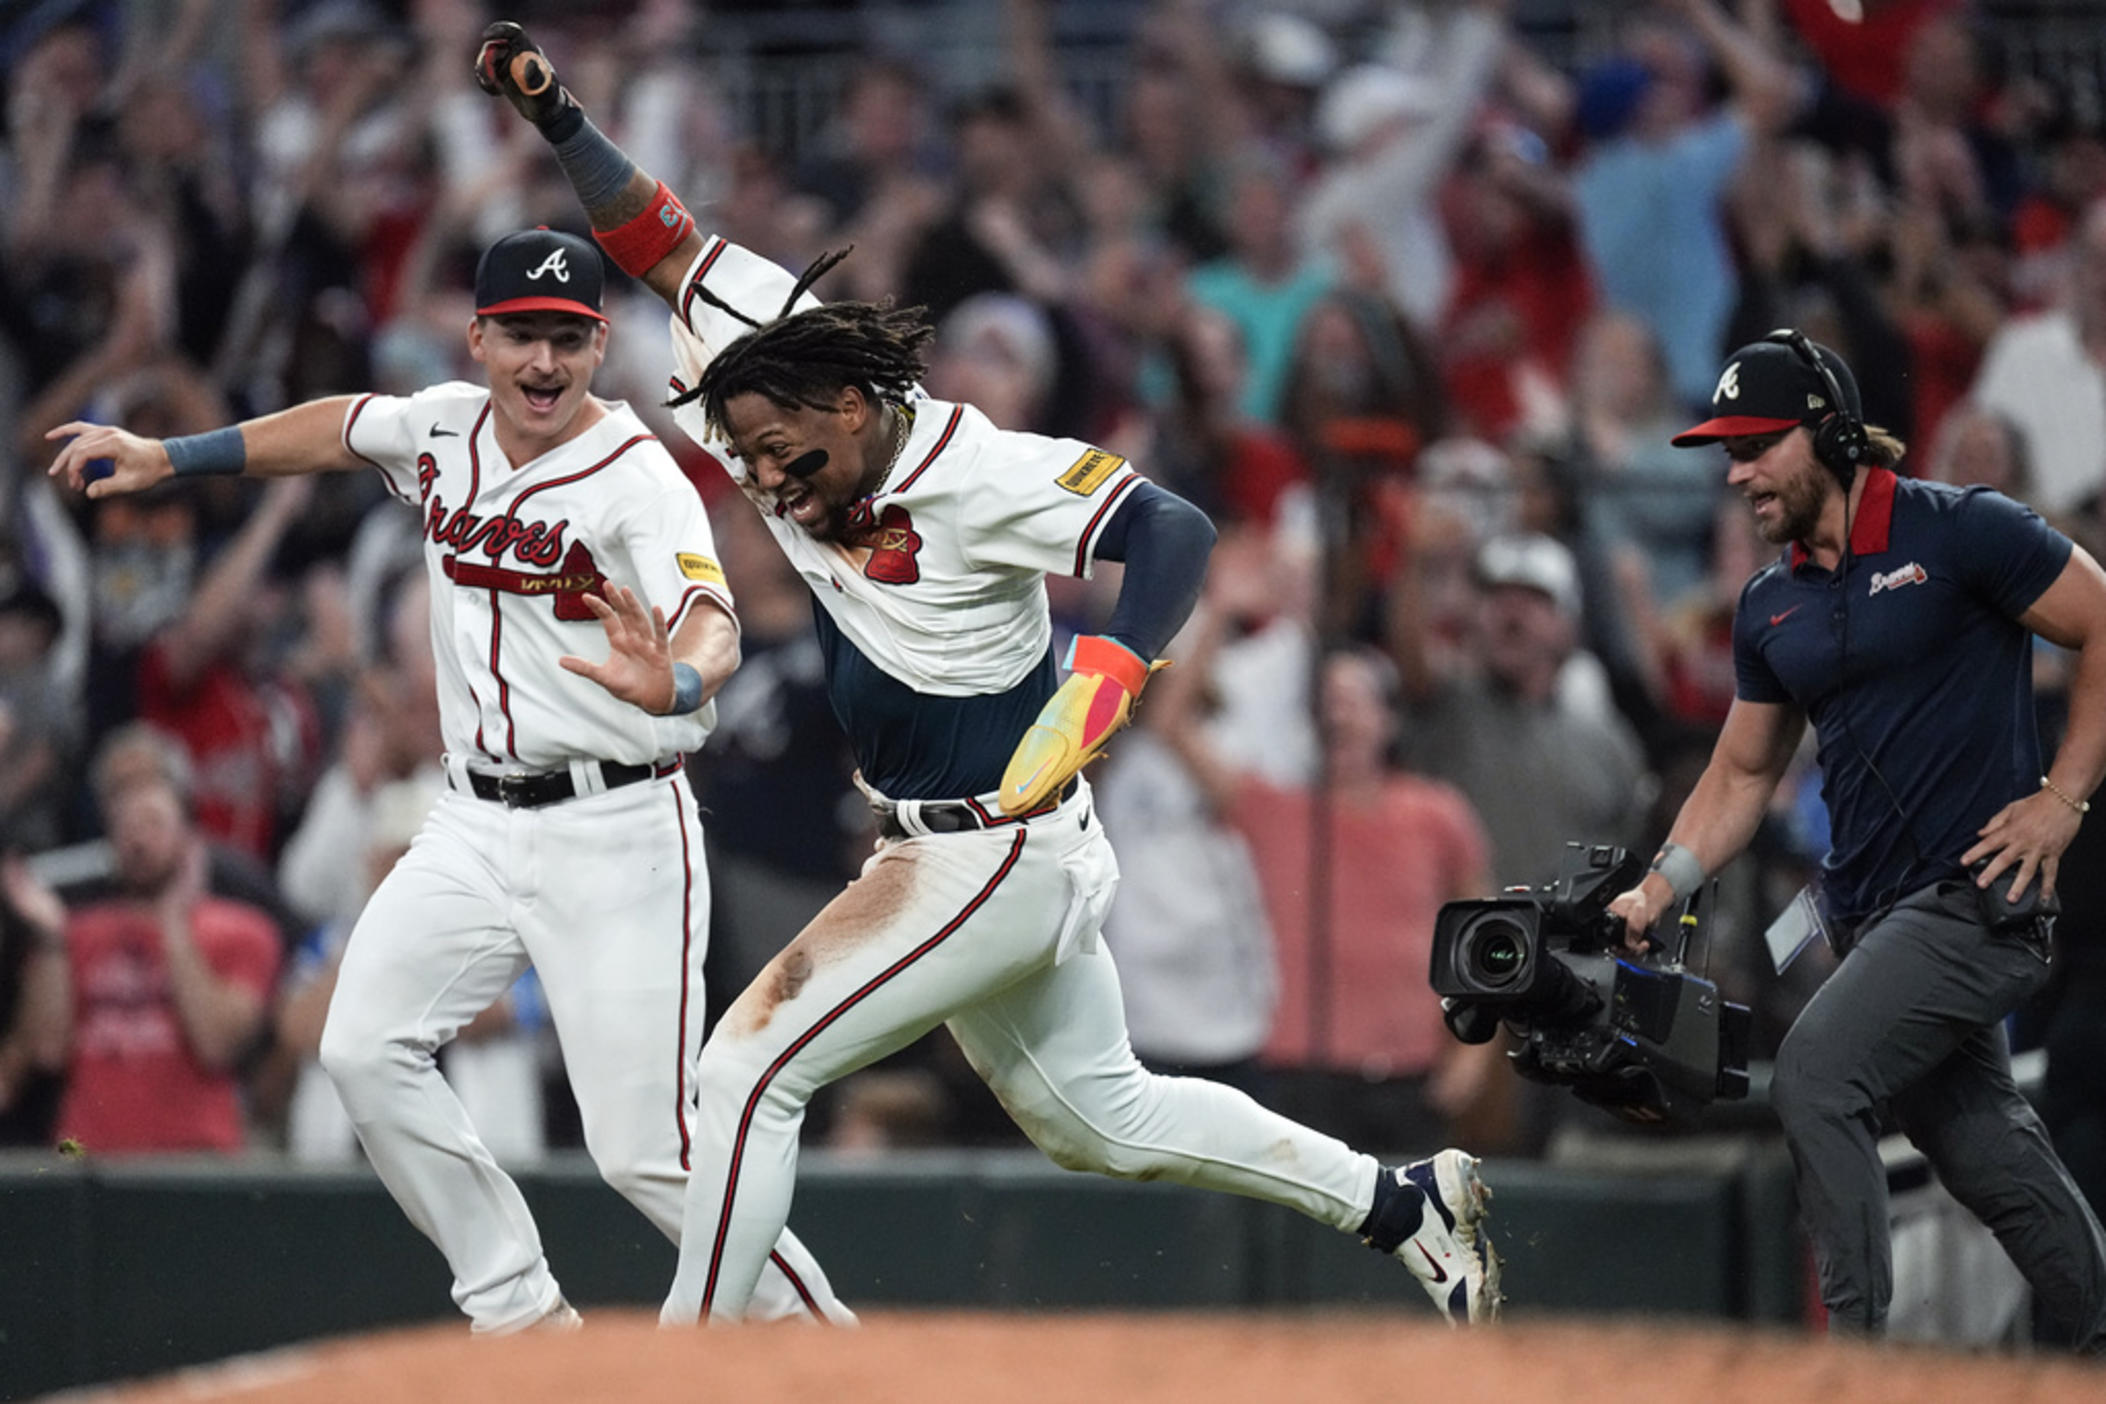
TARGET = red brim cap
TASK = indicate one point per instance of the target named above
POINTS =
(539, 304)
(1730, 427)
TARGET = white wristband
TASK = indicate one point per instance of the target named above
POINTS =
(1680, 867)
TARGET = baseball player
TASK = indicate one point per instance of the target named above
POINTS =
(926, 534)
(568, 837)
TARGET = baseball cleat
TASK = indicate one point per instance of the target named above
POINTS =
(1450, 1253)
(562, 1319)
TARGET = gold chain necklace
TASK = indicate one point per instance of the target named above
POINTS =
(902, 429)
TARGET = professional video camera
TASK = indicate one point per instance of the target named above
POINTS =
(1642, 1037)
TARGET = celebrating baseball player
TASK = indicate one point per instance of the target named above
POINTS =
(569, 838)
(926, 534)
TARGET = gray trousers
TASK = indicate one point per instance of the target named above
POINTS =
(1912, 1019)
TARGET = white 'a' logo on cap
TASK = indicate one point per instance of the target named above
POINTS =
(552, 264)
(1728, 384)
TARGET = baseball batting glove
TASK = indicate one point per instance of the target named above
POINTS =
(1105, 679)
(511, 66)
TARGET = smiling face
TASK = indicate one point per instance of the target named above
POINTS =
(1778, 476)
(540, 369)
(768, 437)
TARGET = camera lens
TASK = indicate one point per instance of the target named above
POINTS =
(1496, 953)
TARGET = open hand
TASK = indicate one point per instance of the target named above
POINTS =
(2030, 833)
(639, 666)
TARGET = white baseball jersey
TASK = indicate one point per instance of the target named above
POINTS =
(935, 625)
(510, 553)
(944, 593)
(604, 893)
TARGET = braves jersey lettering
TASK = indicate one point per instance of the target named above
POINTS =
(510, 554)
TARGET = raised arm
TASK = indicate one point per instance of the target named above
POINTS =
(640, 224)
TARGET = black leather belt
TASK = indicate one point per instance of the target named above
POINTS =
(962, 816)
(535, 788)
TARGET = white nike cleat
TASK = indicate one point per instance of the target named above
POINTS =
(1450, 1253)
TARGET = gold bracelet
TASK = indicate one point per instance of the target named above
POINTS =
(2081, 806)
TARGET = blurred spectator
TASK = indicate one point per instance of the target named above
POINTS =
(207, 680)
(1208, 450)
(2044, 373)
(879, 136)
(37, 724)
(1356, 1045)
(32, 1000)
(166, 989)
(1524, 730)
(1649, 187)
(1981, 447)
(392, 734)
(1864, 54)
(1393, 134)
(1522, 288)
(996, 351)
(2072, 165)
(1640, 495)
(1188, 926)
(1261, 284)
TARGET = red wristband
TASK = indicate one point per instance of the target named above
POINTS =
(1094, 653)
(637, 246)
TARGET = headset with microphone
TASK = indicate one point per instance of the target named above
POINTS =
(1840, 442)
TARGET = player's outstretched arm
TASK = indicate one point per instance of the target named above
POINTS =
(304, 439)
(640, 224)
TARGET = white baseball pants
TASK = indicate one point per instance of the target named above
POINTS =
(607, 897)
(993, 931)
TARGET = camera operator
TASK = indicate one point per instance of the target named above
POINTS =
(1899, 621)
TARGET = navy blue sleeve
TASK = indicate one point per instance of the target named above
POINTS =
(1164, 542)
(2009, 553)
(1754, 680)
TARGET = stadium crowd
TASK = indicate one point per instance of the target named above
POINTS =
(1409, 307)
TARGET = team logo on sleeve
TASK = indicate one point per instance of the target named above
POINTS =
(700, 568)
(1089, 472)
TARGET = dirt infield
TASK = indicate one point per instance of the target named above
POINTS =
(909, 1358)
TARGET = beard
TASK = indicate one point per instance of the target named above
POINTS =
(1799, 502)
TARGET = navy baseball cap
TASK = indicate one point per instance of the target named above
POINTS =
(1768, 387)
(540, 270)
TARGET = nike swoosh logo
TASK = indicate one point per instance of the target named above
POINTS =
(1024, 786)
(1777, 619)
(438, 433)
(1440, 1274)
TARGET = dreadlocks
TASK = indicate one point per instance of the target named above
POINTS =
(805, 358)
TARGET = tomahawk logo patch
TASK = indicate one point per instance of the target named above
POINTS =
(1089, 472)
(893, 543)
(1910, 574)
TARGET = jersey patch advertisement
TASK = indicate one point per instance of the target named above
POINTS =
(1090, 472)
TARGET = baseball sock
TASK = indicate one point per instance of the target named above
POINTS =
(1400, 1207)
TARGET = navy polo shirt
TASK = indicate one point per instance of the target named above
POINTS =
(1936, 688)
